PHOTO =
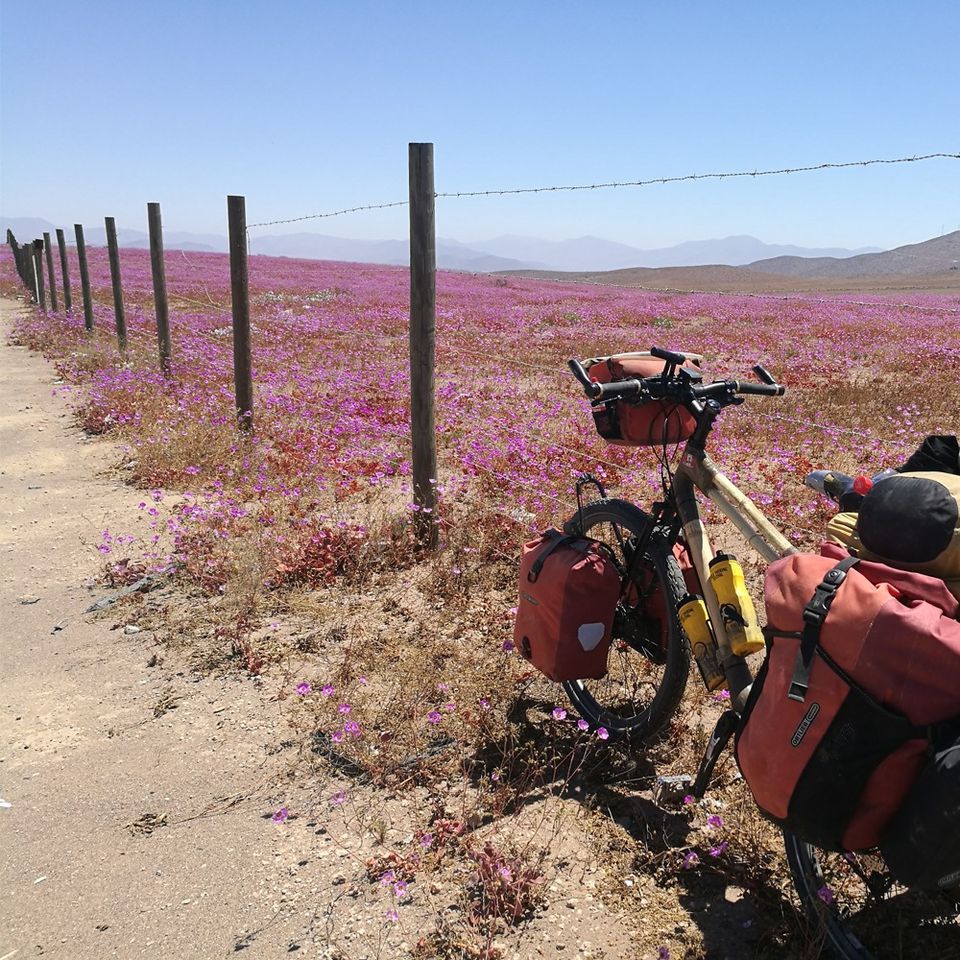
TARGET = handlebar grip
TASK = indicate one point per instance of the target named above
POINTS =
(619, 388)
(678, 359)
(761, 389)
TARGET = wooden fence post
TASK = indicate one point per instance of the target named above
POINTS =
(64, 271)
(423, 324)
(48, 248)
(240, 295)
(30, 282)
(84, 277)
(15, 250)
(22, 264)
(38, 273)
(114, 252)
(159, 286)
(17, 255)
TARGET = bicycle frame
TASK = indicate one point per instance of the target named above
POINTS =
(696, 471)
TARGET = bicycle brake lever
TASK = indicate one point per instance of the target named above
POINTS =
(591, 389)
(764, 375)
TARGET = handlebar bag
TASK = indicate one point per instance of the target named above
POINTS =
(862, 660)
(632, 423)
(569, 588)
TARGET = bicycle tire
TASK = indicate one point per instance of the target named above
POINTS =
(843, 903)
(618, 702)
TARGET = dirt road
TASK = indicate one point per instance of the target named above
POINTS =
(134, 796)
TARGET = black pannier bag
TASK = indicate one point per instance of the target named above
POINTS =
(922, 843)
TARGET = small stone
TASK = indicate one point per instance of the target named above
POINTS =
(131, 628)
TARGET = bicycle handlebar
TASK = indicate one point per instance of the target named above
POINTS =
(666, 385)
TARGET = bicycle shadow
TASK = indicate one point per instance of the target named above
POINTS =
(546, 755)
(738, 908)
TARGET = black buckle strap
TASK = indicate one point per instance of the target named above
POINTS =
(814, 614)
(558, 541)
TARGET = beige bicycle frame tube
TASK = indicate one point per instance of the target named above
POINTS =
(698, 471)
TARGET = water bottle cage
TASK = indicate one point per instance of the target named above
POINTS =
(731, 614)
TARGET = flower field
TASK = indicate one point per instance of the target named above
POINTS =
(295, 547)
(865, 381)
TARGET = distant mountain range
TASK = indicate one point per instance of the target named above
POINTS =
(581, 255)
(938, 255)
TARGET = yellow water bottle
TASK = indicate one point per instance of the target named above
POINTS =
(692, 613)
(736, 607)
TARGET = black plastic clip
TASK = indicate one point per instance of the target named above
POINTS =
(814, 615)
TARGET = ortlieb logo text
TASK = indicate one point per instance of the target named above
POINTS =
(801, 731)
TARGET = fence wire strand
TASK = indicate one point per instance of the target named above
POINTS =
(512, 191)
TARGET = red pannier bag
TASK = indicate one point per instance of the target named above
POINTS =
(569, 588)
(862, 661)
(632, 424)
(647, 591)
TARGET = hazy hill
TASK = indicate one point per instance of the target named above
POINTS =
(938, 255)
(451, 255)
(501, 253)
(29, 228)
(595, 253)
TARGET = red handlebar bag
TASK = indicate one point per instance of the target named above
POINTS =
(836, 731)
(569, 588)
(633, 424)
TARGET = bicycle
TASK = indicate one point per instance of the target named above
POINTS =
(852, 901)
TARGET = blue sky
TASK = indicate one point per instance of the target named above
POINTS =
(305, 107)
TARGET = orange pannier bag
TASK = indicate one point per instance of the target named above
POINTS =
(569, 588)
(863, 661)
(633, 424)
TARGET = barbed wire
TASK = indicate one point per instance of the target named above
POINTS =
(902, 443)
(333, 213)
(700, 176)
(512, 191)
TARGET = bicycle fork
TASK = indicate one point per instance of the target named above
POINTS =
(725, 728)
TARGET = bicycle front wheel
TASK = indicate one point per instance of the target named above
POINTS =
(649, 655)
(858, 911)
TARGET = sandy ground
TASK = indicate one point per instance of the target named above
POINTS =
(83, 758)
